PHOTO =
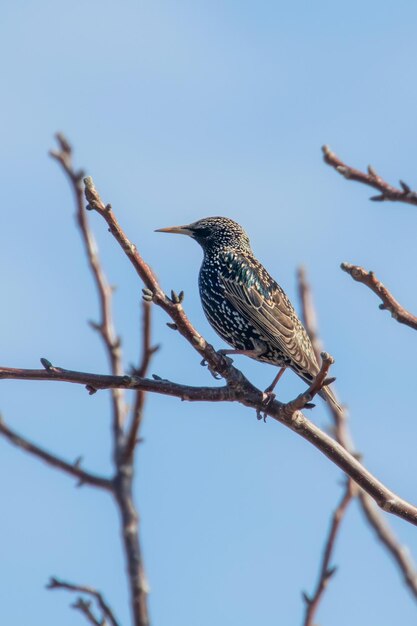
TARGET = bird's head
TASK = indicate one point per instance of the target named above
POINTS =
(213, 232)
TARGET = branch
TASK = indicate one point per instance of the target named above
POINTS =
(303, 400)
(384, 533)
(83, 605)
(154, 293)
(105, 327)
(343, 436)
(94, 382)
(137, 414)
(388, 301)
(239, 388)
(248, 395)
(73, 469)
(123, 482)
(326, 572)
(308, 312)
(372, 179)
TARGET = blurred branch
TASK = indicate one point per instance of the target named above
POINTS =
(372, 179)
(326, 571)
(399, 553)
(389, 303)
(343, 436)
(83, 605)
(74, 469)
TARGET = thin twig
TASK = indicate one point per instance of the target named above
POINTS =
(343, 436)
(326, 571)
(84, 606)
(123, 481)
(372, 179)
(315, 387)
(147, 352)
(399, 553)
(389, 303)
(309, 312)
(106, 326)
(55, 583)
(74, 469)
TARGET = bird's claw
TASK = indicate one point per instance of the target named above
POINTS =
(260, 415)
(267, 398)
(215, 374)
(309, 405)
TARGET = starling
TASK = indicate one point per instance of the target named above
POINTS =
(244, 304)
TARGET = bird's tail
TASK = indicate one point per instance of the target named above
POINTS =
(329, 396)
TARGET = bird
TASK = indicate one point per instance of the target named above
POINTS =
(246, 306)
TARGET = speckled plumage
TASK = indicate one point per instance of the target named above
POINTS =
(244, 304)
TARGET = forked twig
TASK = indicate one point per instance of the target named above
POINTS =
(372, 179)
(389, 303)
(81, 604)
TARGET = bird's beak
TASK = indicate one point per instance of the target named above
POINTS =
(178, 230)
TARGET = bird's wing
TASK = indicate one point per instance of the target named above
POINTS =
(258, 298)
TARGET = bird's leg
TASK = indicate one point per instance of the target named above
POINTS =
(272, 386)
(268, 394)
(254, 354)
(251, 353)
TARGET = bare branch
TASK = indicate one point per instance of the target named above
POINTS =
(245, 392)
(94, 382)
(388, 301)
(123, 482)
(343, 436)
(239, 388)
(326, 571)
(309, 312)
(372, 179)
(82, 604)
(384, 533)
(105, 327)
(250, 396)
(147, 352)
(153, 291)
(74, 469)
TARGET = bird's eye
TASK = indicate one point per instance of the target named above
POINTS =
(202, 233)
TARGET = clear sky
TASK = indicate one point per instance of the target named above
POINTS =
(181, 110)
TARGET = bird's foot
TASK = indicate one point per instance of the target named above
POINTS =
(224, 353)
(261, 415)
(267, 397)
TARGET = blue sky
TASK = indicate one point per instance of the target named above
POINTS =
(181, 110)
